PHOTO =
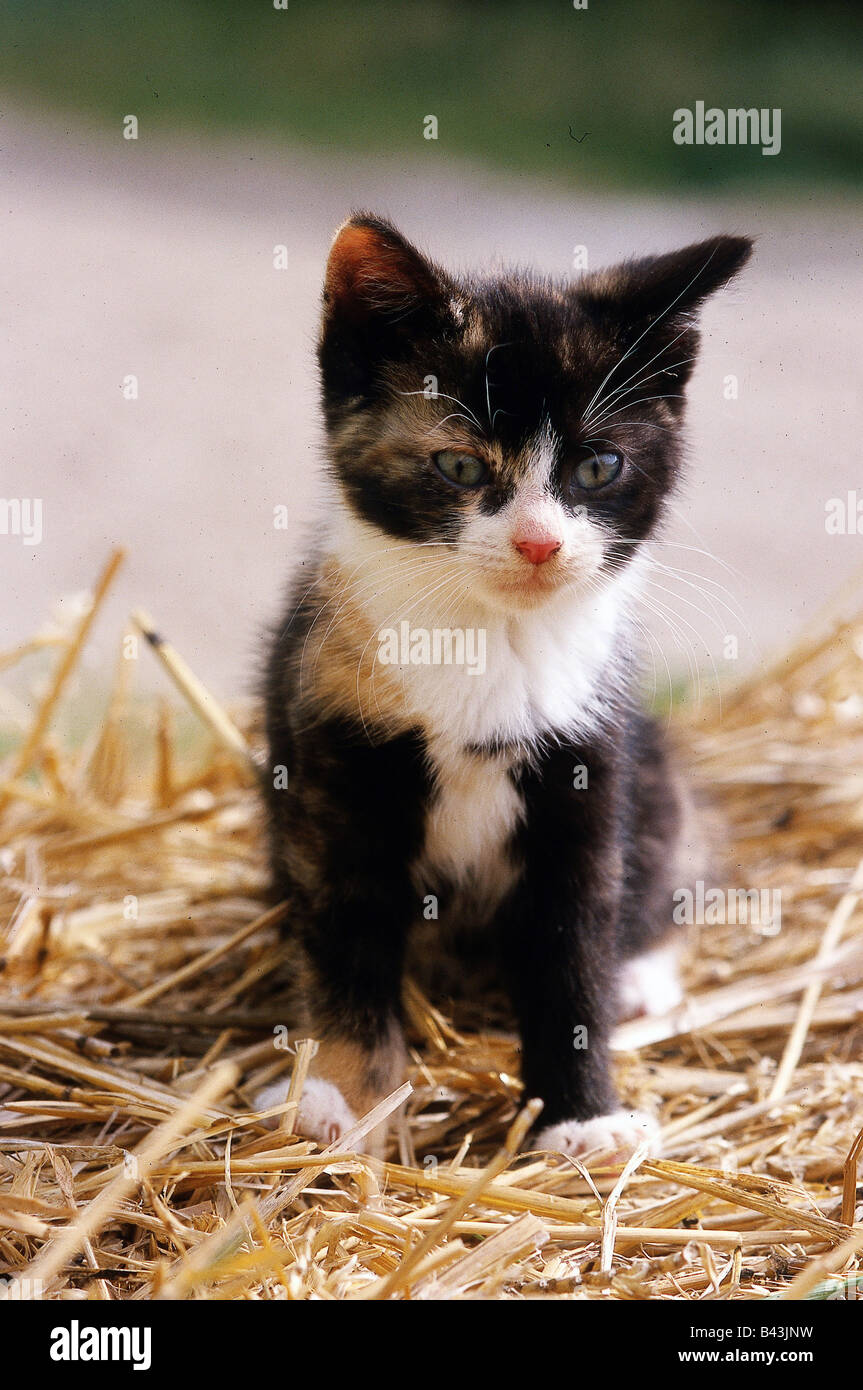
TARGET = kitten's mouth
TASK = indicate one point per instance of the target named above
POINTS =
(529, 587)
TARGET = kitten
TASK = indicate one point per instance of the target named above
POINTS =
(499, 451)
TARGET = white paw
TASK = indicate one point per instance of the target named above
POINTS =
(324, 1114)
(650, 984)
(618, 1134)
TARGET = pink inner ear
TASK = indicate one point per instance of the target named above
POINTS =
(364, 268)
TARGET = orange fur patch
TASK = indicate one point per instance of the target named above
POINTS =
(364, 1076)
(364, 266)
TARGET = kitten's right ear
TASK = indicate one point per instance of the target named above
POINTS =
(380, 295)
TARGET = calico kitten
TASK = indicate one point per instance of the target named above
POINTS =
(499, 451)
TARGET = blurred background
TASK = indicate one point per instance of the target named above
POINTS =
(157, 360)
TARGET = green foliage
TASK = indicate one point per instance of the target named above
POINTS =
(508, 79)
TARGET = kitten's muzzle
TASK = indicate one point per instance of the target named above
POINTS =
(537, 549)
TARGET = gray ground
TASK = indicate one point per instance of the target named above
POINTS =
(122, 257)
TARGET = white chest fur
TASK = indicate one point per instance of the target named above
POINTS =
(544, 675)
(474, 811)
(546, 672)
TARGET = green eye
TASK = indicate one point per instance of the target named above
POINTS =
(463, 470)
(598, 470)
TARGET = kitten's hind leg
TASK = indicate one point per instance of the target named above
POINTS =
(665, 852)
(650, 984)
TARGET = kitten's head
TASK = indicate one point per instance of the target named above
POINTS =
(530, 427)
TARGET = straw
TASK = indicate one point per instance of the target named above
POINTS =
(148, 992)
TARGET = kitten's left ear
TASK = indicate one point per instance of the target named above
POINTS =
(675, 283)
(650, 306)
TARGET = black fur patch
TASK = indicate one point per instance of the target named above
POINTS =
(410, 356)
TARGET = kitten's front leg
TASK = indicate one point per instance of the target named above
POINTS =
(344, 838)
(353, 948)
(352, 986)
(558, 934)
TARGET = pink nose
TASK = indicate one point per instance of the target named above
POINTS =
(537, 551)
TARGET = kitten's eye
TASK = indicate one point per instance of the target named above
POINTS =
(465, 470)
(598, 470)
